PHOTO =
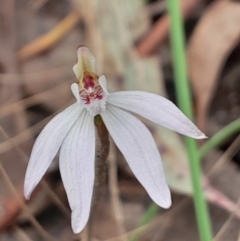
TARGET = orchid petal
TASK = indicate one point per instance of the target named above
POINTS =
(157, 109)
(138, 147)
(85, 62)
(47, 146)
(103, 83)
(77, 168)
(75, 91)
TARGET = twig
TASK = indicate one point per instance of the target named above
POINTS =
(36, 76)
(226, 225)
(20, 234)
(161, 28)
(46, 41)
(167, 219)
(33, 100)
(128, 234)
(48, 190)
(219, 137)
(114, 194)
(35, 5)
(84, 235)
(156, 8)
(167, 216)
(24, 207)
(25, 135)
(8, 58)
(232, 149)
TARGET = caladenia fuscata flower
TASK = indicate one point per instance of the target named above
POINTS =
(73, 132)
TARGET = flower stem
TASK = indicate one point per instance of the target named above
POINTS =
(102, 151)
(219, 137)
(184, 101)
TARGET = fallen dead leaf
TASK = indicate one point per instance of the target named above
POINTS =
(215, 36)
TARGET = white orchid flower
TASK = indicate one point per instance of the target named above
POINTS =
(72, 131)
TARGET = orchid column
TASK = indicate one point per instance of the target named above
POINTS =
(184, 102)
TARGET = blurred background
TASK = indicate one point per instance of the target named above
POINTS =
(38, 41)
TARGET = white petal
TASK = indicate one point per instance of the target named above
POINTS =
(103, 83)
(85, 62)
(77, 169)
(138, 147)
(47, 145)
(75, 91)
(157, 109)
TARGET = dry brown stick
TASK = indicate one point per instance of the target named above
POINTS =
(33, 100)
(56, 199)
(24, 207)
(26, 134)
(156, 8)
(8, 60)
(48, 190)
(114, 194)
(130, 233)
(226, 225)
(84, 235)
(166, 220)
(21, 235)
(232, 149)
(23, 136)
(49, 39)
(35, 5)
(228, 154)
(36, 76)
(161, 28)
(171, 213)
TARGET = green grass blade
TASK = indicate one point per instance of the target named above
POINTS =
(184, 102)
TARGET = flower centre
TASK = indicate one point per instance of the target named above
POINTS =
(89, 88)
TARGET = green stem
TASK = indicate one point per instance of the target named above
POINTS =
(219, 137)
(184, 101)
(148, 216)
